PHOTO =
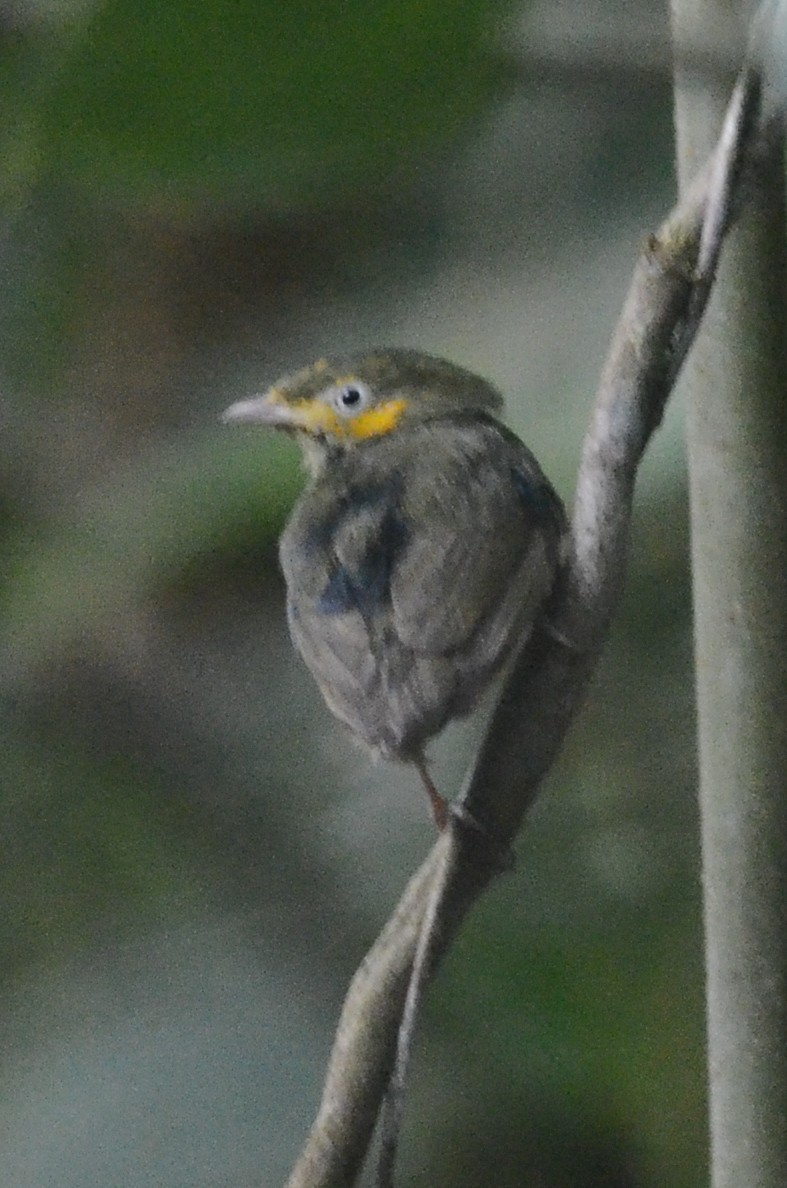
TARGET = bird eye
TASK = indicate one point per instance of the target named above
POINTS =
(349, 398)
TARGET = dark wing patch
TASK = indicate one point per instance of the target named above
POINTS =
(540, 502)
(364, 583)
(366, 539)
(340, 594)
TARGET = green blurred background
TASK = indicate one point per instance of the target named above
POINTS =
(194, 858)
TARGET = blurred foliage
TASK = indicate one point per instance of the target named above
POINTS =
(183, 106)
(70, 860)
(193, 857)
(184, 508)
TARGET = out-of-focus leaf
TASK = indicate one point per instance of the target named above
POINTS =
(84, 844)
(126, 541)
(283, 107)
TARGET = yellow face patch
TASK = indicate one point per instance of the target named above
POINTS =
(316, 417)
(376, 421)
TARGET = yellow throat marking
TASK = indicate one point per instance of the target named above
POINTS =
(316, 417)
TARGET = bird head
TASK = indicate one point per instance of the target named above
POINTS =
(345, 403)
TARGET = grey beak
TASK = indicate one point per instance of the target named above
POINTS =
(259, 410)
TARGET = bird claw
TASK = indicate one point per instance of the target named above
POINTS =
(504, 856)
(555, 633)
(446, 813)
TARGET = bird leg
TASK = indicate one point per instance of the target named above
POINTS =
(442, 811)
(438, 803)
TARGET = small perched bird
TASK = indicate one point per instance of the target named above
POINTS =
(423, 549)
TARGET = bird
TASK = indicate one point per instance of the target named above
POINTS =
(423, 549)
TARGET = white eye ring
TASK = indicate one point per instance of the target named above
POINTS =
(351, 398)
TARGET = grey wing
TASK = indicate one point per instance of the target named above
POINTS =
(485, 533)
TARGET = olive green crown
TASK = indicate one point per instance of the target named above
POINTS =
(432, 384)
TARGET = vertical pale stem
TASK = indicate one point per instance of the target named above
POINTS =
(737, 446)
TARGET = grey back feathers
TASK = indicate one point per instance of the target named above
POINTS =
(415, 566)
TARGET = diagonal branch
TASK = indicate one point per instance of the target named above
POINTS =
(659, 321)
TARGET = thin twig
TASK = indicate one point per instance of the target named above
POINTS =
(391, 1121)
(660, 318)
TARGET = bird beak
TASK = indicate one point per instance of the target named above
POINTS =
(269, 409)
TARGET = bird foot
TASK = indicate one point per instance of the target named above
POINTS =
(554, 633)
(444, 812)
(502, 856)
